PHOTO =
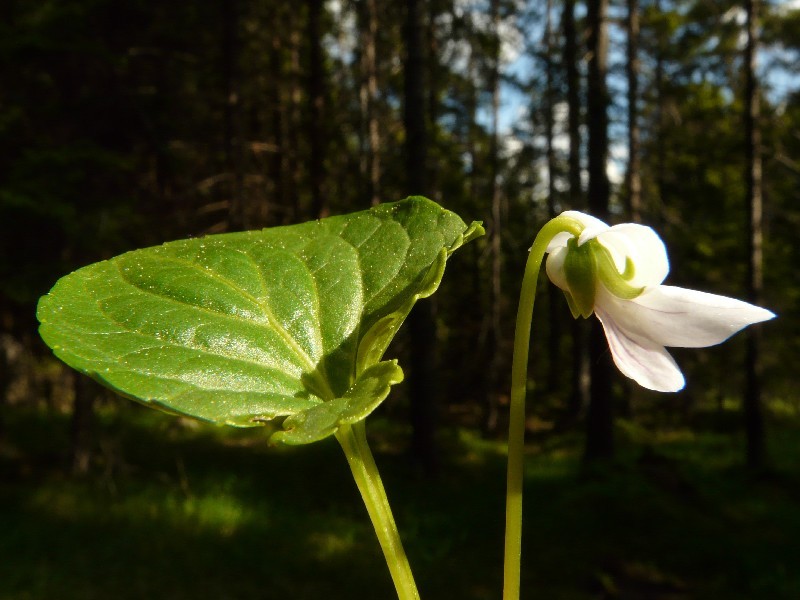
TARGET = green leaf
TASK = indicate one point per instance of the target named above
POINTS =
(243, 328)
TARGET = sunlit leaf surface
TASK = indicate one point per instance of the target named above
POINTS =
(243, 328)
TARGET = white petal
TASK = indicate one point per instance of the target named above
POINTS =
(588, 221)
(591, 232)
(673, 316)
(591, 225)
(555, 267)
(643, 246)
(641, 359)
(559, 240)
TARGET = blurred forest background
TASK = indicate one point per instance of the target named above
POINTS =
(127, 123)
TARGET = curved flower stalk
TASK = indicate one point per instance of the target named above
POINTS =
(615, 273)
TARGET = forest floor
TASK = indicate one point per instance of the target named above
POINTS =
(177, 510)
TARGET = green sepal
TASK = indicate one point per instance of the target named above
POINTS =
(572, 306)
(614, 281)
(579, 270)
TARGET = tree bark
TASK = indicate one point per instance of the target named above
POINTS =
(232, 142)
(316, 107)
(414, 109)
(369, 99)
(633, 175)
(752, 401)
(496, 230)
(579, 394)
(5, 382)
(554, 294)
(600, 420)
(435, 77)
(600, 415)
(80, 450)
(661, 146)
(278, 115)
(573, 104)
(292, 131)
(422, 325)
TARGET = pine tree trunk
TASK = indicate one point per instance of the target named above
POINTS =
(232, 133)
(316, 106)
(753, 405)
(600, 415)
(573, 105)
(373, 130)
(554, 294)
(277, 117)
(80, 450)
(633, 178)
(5, 382)
(292, 131)
(633, 175)
(579, 393)
(435, 76)
(422, 325)
(600, 421)
(658, 117)
(496, 230)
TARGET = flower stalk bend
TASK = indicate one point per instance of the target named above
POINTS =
(519, 379)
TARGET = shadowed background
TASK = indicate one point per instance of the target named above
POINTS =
(124, 125)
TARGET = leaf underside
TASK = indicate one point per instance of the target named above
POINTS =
(243, 328)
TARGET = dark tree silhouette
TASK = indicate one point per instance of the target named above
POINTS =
(753, 405)
(600, 421)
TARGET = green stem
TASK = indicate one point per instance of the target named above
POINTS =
(353, 440)
(519, 380)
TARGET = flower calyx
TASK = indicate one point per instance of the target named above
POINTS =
(590, 263)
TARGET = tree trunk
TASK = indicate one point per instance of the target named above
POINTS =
(5, 382)
(414, 114)
(292, 130)
(554, 294)
(496, 231)
(573, 105)
(488, 390)
(316, 107)
(80, 450)
(633, 175)
(435, 76)
(752, 401)
(661, 147)
(278, 115)
(368, 13)
(600, 421)
(232, 143)
(579, 394)
(600, 416)
(422, 325)
(471, 106)
(633, 178)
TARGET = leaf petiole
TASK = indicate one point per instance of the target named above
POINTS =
(353, 439)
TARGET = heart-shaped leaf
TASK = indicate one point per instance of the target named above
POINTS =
(243, 328)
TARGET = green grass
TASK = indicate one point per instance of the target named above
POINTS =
(175, 510)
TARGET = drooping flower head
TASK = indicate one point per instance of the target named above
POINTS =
(616, 273)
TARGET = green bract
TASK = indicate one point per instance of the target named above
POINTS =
(243, 328)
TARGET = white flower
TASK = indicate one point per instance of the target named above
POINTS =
(616, 272)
